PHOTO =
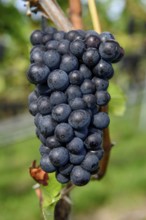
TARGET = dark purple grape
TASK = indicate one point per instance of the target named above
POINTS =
(93, 141)
(79, 176)
(90, 163)
(46, 125)
(79, 119)
(43, 89)
(76, 146)
(46, 164)
(90, 100)
(52, 59)
(73, 92)
(93, 41)
(61, 112)
(104, 36)
(46, 38)
(59, 156)
(44, 105)
(91, 32)
(50, 30)
(100, 84)
(102, 98)
(76, 77)
(88, 87)
(38, 73)
(85, 71)
(63, 46)
(91, 57)
(58, 80)
(57, 97)
(52, 45)
(64, 132)
(36, 56)
(76, 159)
(52, 142)
(36, 37)
(62, 178)
(77, 103)
(59, 35)
(71, 35)
(33, 108)
(103, 70)
(77, 48)
(69, 63)
(101, 120)
(44, 149)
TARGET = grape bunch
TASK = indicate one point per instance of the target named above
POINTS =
(71, 73)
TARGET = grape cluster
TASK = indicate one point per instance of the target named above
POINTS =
(71, 73)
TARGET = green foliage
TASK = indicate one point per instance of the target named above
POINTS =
(117, 105)
(51, 194)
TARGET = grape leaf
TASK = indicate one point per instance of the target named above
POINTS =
(117, 104)
(51, 194)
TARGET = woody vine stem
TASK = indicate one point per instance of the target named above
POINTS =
(51, 10)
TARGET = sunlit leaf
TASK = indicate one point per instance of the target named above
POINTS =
(51, 194)
(117, 105)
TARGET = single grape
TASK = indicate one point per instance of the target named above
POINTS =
(46, 125)
(33, 96)
(52, 142)
(79, 119)
(76, 77)
(102, 97)
(46, 38)
(101, 84)
(36, 37)
(61, 112)
(69, 63)
(93, 141)
(58, 80)
(103, 70)
(71, 35)
(90, 163)
(108, 50)
(101, 120)
(52, 59)
(99, 153)
(57, 97)
(44, 150)
(59, 156)
(91, 33)
(44, 106)
(87, 87)
(46, 164)
(63, 46)
(79, 176)
(76, 159)
(38, 73)
(93, 41)
(33, 108)
(36, 56)
(85, 71)
(77, 103)
(90, 100)
(64, 132)
(91, 57)
(59, 35)
(77, 48)
(75, 146)
(52, 45)
(62, 178)
(104, 36)
(73, 92)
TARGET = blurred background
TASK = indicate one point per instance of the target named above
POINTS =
(121, 195)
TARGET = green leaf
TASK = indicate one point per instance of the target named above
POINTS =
(117, 105)
(51, 194)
